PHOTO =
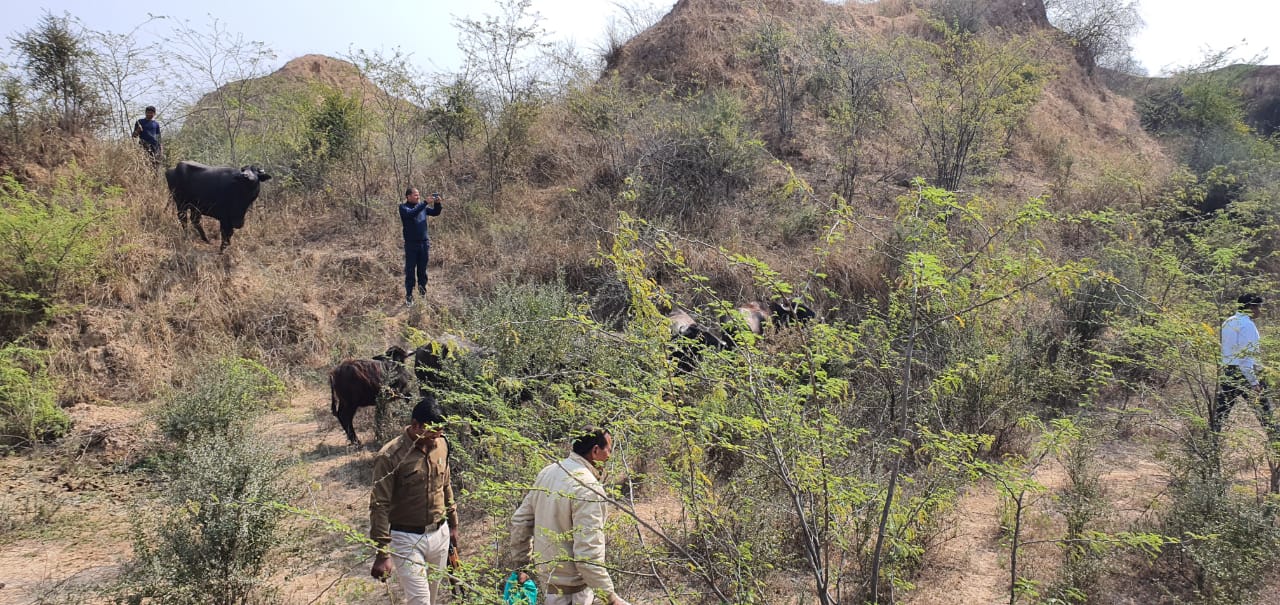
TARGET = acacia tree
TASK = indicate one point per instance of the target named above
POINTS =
(967, 94)
(56, 58)
(454, 113)
(783, 69)
(13, 104)
(850, 79)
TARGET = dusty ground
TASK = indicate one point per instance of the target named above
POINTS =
(66, 512)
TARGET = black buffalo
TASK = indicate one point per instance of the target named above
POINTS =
(789, 311)
(220, 192)
(759, 315)
(691, 339)
(357, 383)
(428, 360)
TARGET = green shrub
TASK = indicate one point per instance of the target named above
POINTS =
(49, 247)
(211, 541)
(701, 155)
(1229, 540)
(29, 409)
(221, 399)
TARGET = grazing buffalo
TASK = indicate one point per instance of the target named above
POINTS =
(356, 383)
(691, 339)
(758, 315)
(788, 312)
(220, 192)
(428, 360)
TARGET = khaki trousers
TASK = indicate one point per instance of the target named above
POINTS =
(420, 564)
(586, 597)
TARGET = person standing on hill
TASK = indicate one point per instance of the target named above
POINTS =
(147, 131)
(417, 246)
(1239, 376)
(560, 524)
(412, 513)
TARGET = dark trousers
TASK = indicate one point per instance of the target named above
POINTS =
(1232, 386)
(415, 267)
(154, 154)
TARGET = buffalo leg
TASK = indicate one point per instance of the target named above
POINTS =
(346, 416)
(226, 237)
(195, 222)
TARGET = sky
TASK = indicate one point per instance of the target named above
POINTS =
(293, 28)
(1180, 32)
(1177, 32)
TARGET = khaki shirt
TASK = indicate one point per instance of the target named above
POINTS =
(562, 518)
(410, 487)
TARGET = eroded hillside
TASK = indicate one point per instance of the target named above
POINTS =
(1002, 396)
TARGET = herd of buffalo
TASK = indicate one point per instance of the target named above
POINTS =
(226, 193)
(357, 383)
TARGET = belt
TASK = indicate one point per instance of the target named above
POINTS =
(561, 589)
(415, 529)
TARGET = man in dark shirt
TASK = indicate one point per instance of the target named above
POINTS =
(412, 514)
(147, 131)
(417, 246)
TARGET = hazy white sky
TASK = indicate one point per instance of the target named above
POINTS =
(333, 27)
(1178, 32)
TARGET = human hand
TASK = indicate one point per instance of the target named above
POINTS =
(381, 569)
(617, 600)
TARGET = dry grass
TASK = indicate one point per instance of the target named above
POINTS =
(306, 283)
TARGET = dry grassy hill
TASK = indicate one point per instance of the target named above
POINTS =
(314, 277)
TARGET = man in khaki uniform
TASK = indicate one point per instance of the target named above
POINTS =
(560, 524)
(412, 514)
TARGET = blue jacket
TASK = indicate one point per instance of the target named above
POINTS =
(414, 220)
(148, 131)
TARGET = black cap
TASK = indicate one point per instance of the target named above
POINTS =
(428, 412)
(1249, 300)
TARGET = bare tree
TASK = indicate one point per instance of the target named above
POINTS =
(633, 19)
(1099, 29)
(228, 64)
(500, 51)
(125, 71)
(500, 48)
(399, 102)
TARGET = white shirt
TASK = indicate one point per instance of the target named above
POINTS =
(567, 505)
(1240, 345)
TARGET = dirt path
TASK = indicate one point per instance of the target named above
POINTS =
(969, 566)
(68, 510)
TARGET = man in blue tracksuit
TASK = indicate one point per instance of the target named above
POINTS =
(413, 217)
(147, 131)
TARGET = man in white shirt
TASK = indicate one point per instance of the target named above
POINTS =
(1239, 377)
(559, 527)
